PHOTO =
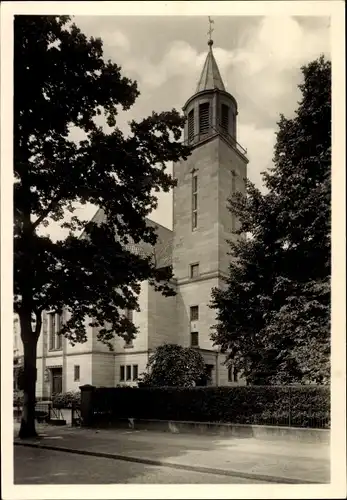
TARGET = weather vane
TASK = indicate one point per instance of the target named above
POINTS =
(210, 31)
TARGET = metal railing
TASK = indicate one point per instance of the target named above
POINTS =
(283, 406)
(212, 131)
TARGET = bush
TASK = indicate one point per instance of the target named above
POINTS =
(67, 399)
(17, 398)
(174, 365)
(300, 406)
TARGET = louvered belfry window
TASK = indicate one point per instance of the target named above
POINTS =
(204, 117)
(225, 117)
(191, 125)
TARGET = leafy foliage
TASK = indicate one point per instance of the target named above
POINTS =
(174, 366)
(66, 399)
(62, 84)
(68, 84)
(301, 406)
(274, 313)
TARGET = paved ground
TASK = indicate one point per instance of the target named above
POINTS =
(248, 458)
(39, 466)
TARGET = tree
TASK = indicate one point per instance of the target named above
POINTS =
(274, 312)
(62, 81)
(172, 365)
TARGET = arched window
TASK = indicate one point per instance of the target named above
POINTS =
(191, 125)
(224, 119)
(234, 126)
(204, 117)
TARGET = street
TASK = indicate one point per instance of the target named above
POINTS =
(160, 457)
(39, 466)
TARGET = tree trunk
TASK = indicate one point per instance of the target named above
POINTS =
(29, 338)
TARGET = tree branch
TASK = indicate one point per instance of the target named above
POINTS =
(52, 205)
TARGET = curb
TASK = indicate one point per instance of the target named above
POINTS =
(172, 465)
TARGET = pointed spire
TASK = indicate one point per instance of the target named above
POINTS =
(210, 77)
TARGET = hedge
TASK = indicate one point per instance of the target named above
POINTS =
(66, 399)
(61, 400)
(300, 406)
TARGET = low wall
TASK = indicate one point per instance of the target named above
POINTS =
(264, 432)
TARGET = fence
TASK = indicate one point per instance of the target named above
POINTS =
(290, 406)
(45, 411)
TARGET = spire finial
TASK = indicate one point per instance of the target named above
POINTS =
(210, 31)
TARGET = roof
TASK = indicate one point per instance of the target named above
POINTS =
(210, 78)
(161, 251)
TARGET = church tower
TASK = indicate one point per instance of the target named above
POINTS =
(202, 222)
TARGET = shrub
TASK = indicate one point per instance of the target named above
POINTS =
(174, 365)
(303, 406)
(17, 398)
(67, 399)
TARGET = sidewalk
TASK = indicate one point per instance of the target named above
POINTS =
(280, 461)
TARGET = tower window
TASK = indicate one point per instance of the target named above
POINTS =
(77, 373)
(234, 126)
(204, 117)
(191, 125)
(194, 202)
(194, 313)
(225, 117)
(194, 270)
(233, 182)
(194, 339)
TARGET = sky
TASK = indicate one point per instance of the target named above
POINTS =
(259, 59)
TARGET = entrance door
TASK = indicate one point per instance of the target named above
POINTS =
(57, 380)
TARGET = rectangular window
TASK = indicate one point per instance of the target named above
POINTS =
(51, 330)
(194, 339)
(225, 117)
(135, 372)
(76, 375)
(58, 338)
(233, 182)
(194, 201)
(191, 125)
(194, 270)
(232, 374)
(194, 313)
(122, 373)
(204, 117)
(233, 222)
(128, 367)
(129, 316)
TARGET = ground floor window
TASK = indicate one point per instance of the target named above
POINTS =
(129, 373)
(232, 374)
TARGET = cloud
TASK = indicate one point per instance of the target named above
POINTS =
(259, 60)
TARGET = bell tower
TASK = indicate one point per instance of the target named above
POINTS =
(202, 222)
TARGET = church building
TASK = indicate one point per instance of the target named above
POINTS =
(196, 248)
